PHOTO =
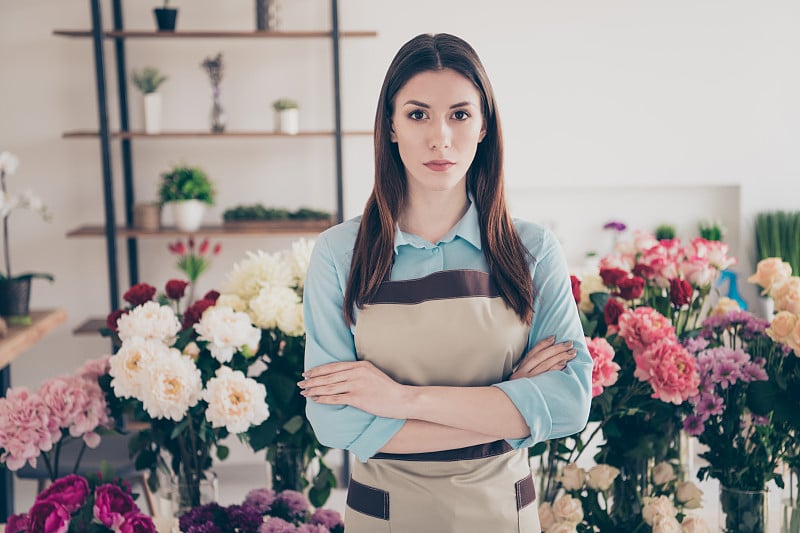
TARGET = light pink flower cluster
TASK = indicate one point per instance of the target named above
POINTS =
(669, 369)
(644, 326)
(605, 371)
(31, 422)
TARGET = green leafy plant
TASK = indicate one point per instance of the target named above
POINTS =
(665, 231)
(711, 230)
(260, 212)
(147, 79)
(283, 104)
(185, 183)
(778, 235)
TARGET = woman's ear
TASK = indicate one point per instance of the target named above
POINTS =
(392, 135)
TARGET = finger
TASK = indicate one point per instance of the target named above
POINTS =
(547, 364)
(324, 380)
(544, 343)
(338, 399)
(330, 368)
(546, 350)
(546, 357)
(327, 390)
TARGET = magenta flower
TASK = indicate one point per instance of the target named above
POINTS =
(111, 504)
(136, 522)
(70, 491)
(18, 523)
(47, 516)
(709, 404)
(693, 425)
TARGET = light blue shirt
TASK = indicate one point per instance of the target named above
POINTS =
(554, 404)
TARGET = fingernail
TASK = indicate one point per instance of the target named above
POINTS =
(573, 351)
(551, 338)
(305, 374)
(301, 384)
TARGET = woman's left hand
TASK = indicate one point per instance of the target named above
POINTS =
(359, 384)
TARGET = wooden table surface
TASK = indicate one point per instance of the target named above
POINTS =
(20, 338)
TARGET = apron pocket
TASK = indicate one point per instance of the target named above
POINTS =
(527, 514)
(369, 500)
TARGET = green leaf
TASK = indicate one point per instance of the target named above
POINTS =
(183, 424)
(222, 452)
(537, 449)
(599, 299)
(294, 424)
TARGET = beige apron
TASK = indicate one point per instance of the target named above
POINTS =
(450, 328)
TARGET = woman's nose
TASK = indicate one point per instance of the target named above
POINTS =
(440, 136)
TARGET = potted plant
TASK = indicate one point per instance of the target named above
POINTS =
(165, 17)
(15, 291)
(148, 80)
(287, 117)
(188, 190)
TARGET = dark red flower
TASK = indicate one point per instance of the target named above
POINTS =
(211, 295)
(576, 288)
(176, 288)
(177, 248)
(139, 294)
(643, 271)
(111, 319)
(680, 292)
(612, 311)
(217, 248)
(195, 312)
(70, 491)
(204, 247)
(612, 276)
(631, 288)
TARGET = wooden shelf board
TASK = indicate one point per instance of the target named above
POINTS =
(280, 227)
(86, 134)
(213, 34)
(91, 327)
(20, 338)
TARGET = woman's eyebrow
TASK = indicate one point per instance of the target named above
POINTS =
(426, 106)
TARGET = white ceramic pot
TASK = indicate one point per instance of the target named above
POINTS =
(152, 113)
(287, 121)
(188, 214)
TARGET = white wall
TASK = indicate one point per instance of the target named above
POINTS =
(611, 109)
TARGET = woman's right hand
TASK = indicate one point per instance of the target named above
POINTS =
(545, 356)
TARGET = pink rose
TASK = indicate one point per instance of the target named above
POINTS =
(614, 261)
(47, 516)
(718, 255)
(111, 504)
(70, 491)
(669, 369)
(698, 271)
(605, 371)
(643, 240)
(137, 522)
(26, 428)
(644, 326)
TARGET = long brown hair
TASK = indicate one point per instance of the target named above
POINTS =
(373, 252)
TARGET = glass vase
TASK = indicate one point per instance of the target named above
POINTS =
(190, 489)
(217, 118)
(742, 511)
(287, 466)
(790, 517)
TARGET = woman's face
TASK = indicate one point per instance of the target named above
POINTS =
(437, 125)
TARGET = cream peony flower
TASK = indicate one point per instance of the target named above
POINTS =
(568, 509)
(259, 270)
(654, 507)
(724, 306)
(234, 401)
(572, 477)
(270, 303)
(689, 495)
(290, 320)
(770, 271)
(787, 295)
(174, 385)
(149, 321)
(590, 283)
(694, 524)
(129, 367)
(299, 258)
(546, 516)
(663, 473)
(227, 332)
(601, 477)
(234, 301)
(666, 524)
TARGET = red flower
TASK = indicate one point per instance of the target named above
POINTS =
(576, 288)
(195, 312)
(643, 271)
(612, 311)
(211, 295)
(631, 288)
(175, 289)
(177, 248)
(612, 276)
(217, 248)
(139, 294)
(111, 319)
(680, 292)
(204, 246)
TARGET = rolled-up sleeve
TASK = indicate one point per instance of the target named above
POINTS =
(328, 340)
(556, 403)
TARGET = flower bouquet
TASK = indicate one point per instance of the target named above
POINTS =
(263, 511)
(193, 260)
(269, 288)
(187, 375)
(75, 503)
(38, 424)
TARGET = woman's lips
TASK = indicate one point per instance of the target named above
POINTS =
(439, 165)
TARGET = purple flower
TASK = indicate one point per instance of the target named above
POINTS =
(209, 513)
(261, 499)
(693, 425)
(291, 506)
(328, 518)
(277, 525)
(760, 420)
(136, 522)
(243, 517)
(615, 225)
(695, 345)
(312, 528)
(111, 504)
(708, 405)
(725, 373)
(208, 527)
(754, 372)
(70, 491)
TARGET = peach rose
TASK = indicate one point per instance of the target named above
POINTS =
(660, 506)
(787, 295)
(562, 527)
(601, 477)
(666, 524)
(546, 516)
(724, 306)
(769, 272)
(782, 326)
(572, 477)
(568, 509)
(689, 495)
(663, 473)
(694, 524)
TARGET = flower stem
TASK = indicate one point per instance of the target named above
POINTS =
(80, 456)
(49, 467)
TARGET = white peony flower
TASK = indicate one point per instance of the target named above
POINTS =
(663, 473)
(270, 302)
(260, 269)
(234, 301)
(572, 477)
(129, 367)
(234, 401)
(290, 320)
(654, 507)
(227, 332)
(174, 385)
(666, 524)
(8, 163)
(694, 524)
(568, 509)
(601, 477)
(149, 321)
(689, 495)
(299, 258)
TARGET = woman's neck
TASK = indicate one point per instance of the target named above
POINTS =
(433, 214)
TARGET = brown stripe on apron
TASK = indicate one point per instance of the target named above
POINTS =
(450, 329)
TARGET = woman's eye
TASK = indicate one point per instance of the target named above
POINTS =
(461, 115)
(416, 115)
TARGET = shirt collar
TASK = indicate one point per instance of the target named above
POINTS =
(468, 228)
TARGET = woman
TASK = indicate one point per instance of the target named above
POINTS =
(432, 319)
